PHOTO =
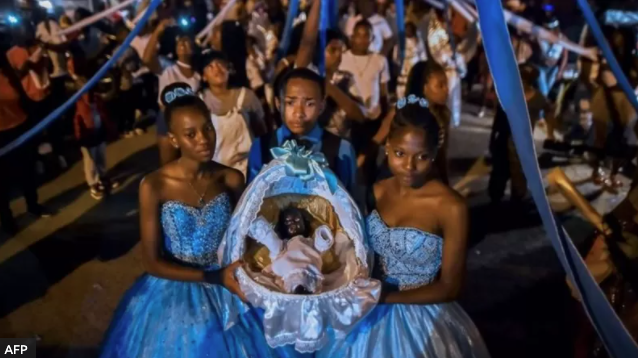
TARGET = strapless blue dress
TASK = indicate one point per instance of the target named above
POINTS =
(409, 258)
(174, 319)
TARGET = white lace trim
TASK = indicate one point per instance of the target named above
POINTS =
(304, 320)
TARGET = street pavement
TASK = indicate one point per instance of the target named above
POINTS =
(63, 277)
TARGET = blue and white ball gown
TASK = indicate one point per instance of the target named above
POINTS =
(173, 319)
(409, 258)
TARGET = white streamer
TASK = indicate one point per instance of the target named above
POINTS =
(95, 18)
(206, 32)
(540, 32)
(462, 11)
(544, 34)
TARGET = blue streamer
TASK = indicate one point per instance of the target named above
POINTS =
(333, 11)
(92, 82)
(324, 15)
(401, 30)
(609, 55)
(293, 11)
(500, 57)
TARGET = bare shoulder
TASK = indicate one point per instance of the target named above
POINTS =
(231, 177)
(155, 181)
(451, 203)
(379, 189)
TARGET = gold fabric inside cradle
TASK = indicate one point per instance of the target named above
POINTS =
(322, 213)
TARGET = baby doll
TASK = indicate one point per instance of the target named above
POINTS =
(296, 258)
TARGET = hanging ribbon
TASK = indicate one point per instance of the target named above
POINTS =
(333, 14)
(398, 4)
(92, 82)
(607, 53)
(324, 23)
(207, 32)
(95, 18)
(305, 164)
(504, 69)
(293, 11)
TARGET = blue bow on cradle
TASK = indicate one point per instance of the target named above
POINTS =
(304, 163)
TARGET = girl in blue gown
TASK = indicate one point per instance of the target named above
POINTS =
(418, 230)
(184, 305)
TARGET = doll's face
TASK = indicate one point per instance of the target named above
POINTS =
(293, 223)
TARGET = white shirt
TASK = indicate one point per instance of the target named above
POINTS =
(380, 28)
(172, 74)
(58, 59)
(369, 72)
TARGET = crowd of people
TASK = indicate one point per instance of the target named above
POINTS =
(221, 103)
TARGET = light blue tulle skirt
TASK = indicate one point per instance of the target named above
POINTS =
(411, 331)
(163, 318)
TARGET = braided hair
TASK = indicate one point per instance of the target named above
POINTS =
(416, 114)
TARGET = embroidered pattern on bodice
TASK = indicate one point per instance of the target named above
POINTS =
(192, 235)
(408, 257)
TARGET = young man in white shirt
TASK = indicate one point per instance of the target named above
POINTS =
(383, 40)
(370, 70)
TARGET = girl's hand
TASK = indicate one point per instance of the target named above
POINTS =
(229, 281)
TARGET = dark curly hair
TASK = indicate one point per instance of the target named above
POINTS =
(413, 115)
(420, 74)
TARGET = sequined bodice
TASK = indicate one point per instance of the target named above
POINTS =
(192, 235)
(407, 257)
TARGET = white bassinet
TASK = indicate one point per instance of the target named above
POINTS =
(300, 178)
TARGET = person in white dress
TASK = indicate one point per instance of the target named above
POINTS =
(236, 113)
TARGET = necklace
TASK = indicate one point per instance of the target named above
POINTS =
(364, 68)
(200, 201)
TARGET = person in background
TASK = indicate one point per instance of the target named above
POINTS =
(237, 113)
(551, 59)
(28, 60)
(615, 125)
(372, 74)
(91, 126)
(21, 161)
(414, 52)
(228, 38)
(343, 104)
(145, 82)
(180, 71)
(127, 65)
(506, 165)
(56, 46)
(301, 101)
(382, 40)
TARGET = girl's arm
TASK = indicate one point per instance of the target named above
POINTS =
(150, 57)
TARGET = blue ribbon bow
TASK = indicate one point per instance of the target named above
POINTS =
(304, 163)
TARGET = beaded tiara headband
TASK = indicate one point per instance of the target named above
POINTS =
(422, 102)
